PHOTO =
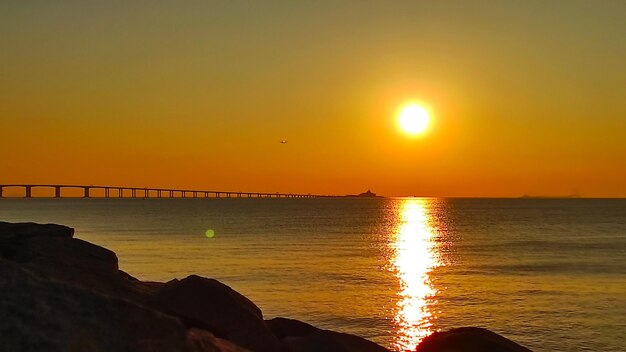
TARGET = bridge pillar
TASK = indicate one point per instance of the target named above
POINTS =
(1, 191)
(120, 193)
(146, 193)
(106, 192)
(57, 191)
(217, 194)
(86, 192)
(28, 191)
(195, 194)
(133, 193)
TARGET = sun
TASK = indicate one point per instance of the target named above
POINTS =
(413, 119)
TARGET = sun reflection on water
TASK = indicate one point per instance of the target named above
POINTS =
(414, 256)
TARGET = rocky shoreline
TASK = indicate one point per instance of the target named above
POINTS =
(60, 293)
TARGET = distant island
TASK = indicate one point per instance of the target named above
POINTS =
(368, 194)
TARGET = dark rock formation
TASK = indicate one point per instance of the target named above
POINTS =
(42, 315)
(58, 293)
(468, 339)
(52, 253)
(297, 336)
(209, 304)
(24, 230)
(204, 341)
(64, 294)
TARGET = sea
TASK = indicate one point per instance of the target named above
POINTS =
(549, 274)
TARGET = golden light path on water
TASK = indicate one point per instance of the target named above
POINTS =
(414, 256)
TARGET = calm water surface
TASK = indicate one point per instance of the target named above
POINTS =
(549, 274)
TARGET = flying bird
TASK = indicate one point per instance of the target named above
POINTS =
(283, 142)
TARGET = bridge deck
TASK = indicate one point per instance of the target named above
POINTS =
(149, 192)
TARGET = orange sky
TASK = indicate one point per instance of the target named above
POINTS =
(526, 97)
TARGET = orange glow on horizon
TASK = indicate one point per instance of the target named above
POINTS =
(80, 105)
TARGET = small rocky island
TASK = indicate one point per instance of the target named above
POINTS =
(60, 293)
(368, 194)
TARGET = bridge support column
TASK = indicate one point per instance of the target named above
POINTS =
(120, 193)
(1, 188)
(28, 191)
(57, 191)
(217, 194)
(86, 192)
(195, 194)
(133, 193)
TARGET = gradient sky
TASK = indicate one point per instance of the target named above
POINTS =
(527, 97)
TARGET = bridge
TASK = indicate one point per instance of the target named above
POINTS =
(146, 192)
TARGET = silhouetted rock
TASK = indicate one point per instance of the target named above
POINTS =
(209, 304)
(204, 341)
(64, 294)
(41, 315)
(468, 339)
(29, 229)
(297, 336)
(283, 327)
(54, 254)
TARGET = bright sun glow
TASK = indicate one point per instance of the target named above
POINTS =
(413, 119)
